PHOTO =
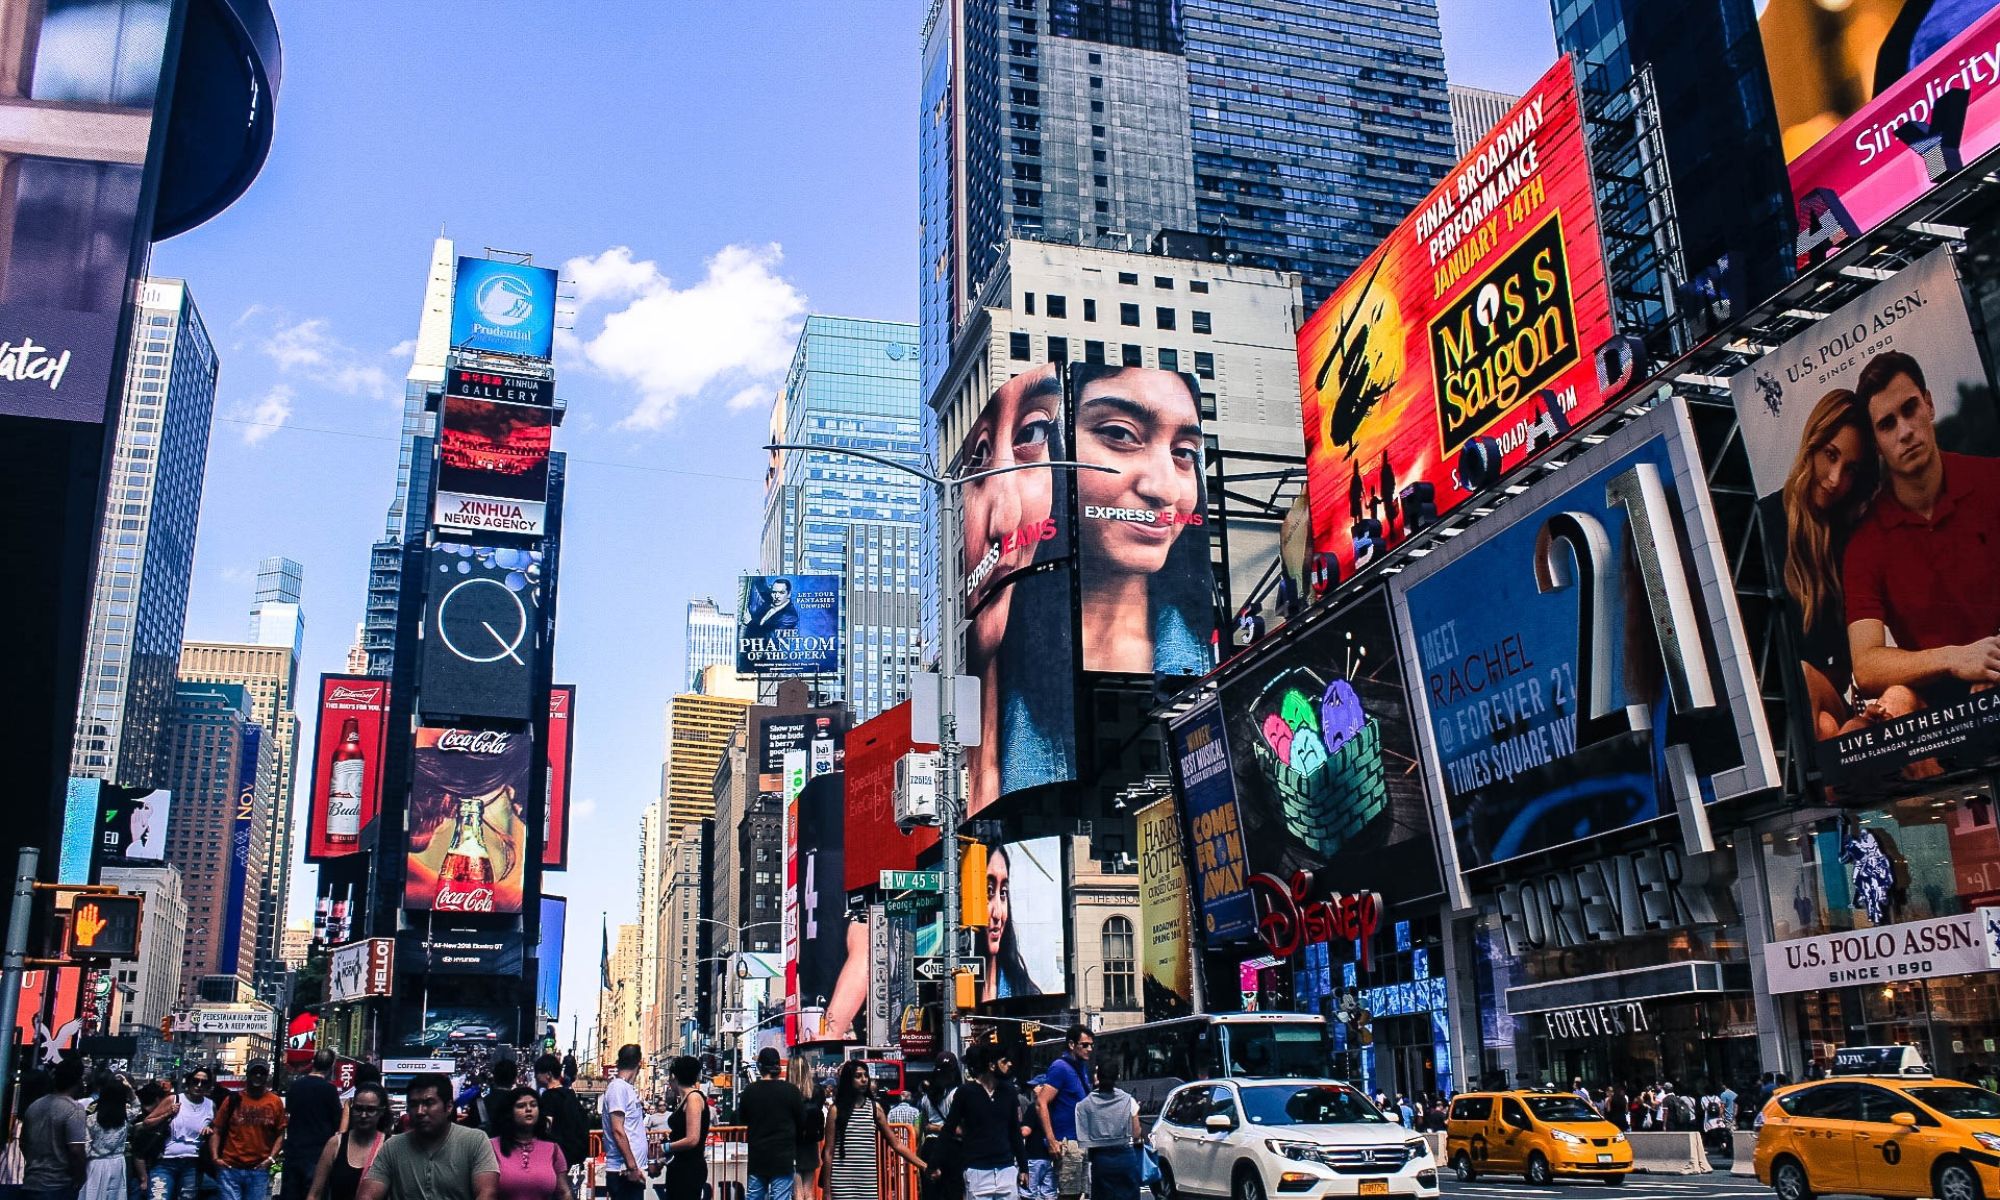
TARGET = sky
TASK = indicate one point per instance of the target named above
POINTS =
(705, 174)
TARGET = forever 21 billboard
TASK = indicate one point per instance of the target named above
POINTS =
(481, 614)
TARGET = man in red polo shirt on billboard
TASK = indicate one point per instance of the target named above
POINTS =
(1922, 572)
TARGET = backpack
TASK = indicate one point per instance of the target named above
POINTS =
(1683, 1110)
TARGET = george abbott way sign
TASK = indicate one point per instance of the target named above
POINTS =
(1957, 945)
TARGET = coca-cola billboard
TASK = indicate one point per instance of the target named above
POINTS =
(348, 749)
(555, 811)
(468, 820)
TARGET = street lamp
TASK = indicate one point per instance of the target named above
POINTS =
(945, 494)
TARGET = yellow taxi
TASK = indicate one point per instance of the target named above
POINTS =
(1539, 1134)
(1881, 1135)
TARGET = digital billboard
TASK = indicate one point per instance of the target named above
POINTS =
(1147, 588)
(349, 743)
(500, 387)
(1018, 602)
(1602, 661)
(1466, 343)
(448, 947)
(1878, 413)
(1878, 100)
(833, 934)
(874, 844)
(1199, 744)
(242, 828)
(788, 625)
(133, 828)
(1167, 942)
(549, 957)
(468, 837)
(1026, 940)
(493, 466)
(555, 808)
(504, 308)
(481, 611)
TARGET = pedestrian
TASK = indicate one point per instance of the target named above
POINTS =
(569, 1070)
(1617, 1106)
(1715, 1128)
(687, 1131)
(312, 1117)
(1404, 1114)
(992, 1158)
(502, 1078)
(148, 1137)
(55, 1142)
(946, 1175)
(569, 1128)
(1041, 1156)
(109, 1130)
(1067, 1085)
(346, 1157)
(1729, 1106)
(850, 1153)
(902, 1112)
(177, 1176)
(1107, 1127)
(532, 1166)
(438, 1159)
(624, 1123)
(249, 1128)
(774, 1120)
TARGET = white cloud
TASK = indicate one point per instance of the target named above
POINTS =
(583, 810)
(308, 347)
(729, 335)
(403, 349)
(269, 415)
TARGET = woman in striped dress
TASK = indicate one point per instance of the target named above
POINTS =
(849, 1154)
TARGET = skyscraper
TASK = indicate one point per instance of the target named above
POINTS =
(853, 383)
(145, 558)
(698, 728)
(711, 639)
(275, 616)
(1474, 113)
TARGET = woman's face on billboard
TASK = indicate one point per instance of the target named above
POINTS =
(1144, 423)
(1006, 516)
(999, 901)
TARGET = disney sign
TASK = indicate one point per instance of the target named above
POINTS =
(1290, 917)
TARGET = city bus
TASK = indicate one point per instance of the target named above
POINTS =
(1154, 1058)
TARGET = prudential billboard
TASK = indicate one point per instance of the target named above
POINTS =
(504, 308)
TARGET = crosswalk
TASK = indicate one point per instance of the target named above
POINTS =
(1636, 1187)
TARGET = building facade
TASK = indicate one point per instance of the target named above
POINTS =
(145, 557)
(155, 977)
(617, 1004)
(681, 912)
(697, 728)
(652, 865)
(711, 639)
(1474, 112)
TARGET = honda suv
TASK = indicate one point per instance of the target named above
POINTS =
(1270, 1139)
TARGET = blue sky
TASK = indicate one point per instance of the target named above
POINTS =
(707, 172)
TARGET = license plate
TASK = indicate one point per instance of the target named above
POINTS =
(1374, 1187)
(1604, 1158)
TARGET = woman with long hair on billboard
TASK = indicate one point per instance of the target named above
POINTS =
(1148, 590)
(1828, 490)
(1018, 619)
(1006, 970)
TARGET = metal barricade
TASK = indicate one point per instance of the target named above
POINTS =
(729, 1165)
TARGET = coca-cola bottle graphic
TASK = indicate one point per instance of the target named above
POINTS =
(343, 793)
(465, 880)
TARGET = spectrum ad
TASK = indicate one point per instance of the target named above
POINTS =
(1148, 591)
(504, 308)
(1881, 411)
(493, 466)
(1562, 704)
(1463, 346)
(788, 625)
(1167, 944)
(1879, 101)
(1025, 943)
(1018, 600)
(555, 808)
(1207, 790)
(468, 838)
(349, 744)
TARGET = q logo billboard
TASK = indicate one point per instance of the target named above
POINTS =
(504, 308)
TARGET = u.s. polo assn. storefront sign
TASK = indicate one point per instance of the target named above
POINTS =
(1957, 945)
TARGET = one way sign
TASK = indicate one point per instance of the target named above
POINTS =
(932, 967)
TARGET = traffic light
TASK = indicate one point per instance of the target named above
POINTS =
(167, 1025)
(105, 926)
(972, 885)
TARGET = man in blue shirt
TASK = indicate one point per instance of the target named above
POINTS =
(1068, 1082)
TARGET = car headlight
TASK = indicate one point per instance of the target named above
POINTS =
(1296, 1151)
(1567, 1138)
(1418, 1148)
(1989, 1140)
(1617, 1137)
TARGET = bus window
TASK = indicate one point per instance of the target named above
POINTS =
(1276, 1051)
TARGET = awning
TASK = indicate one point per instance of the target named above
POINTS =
(1639, 983)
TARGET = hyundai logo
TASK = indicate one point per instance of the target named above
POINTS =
(505, 300)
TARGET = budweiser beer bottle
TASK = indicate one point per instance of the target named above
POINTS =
(343, 794)
(465, 881)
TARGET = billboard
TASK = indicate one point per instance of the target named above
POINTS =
(549, 957)
(1018, 602)
(1466, 343)
(461, 1027)
(460, 948)
(1879, 412)
(501, 387)
(1026, 945)
(833, 934)
(1166, 947)
(874, 844)
(82, 808)
(133, 828)
(1147, 588)
(504, 308)
(358, 969)
(493, 466)
(1603, 663)
(555, 805)
(1325, 763)
(468, 838)
(242, 826)
(349, 744)
(1207, 790)
(482, 606)
(816, 734)
(1878, 100)
(788, 625)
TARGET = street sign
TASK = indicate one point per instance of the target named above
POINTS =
(912, 881)
(923, 904)
(234, 1022)
(932, 967)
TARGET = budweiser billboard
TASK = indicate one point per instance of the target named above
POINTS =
(348, 748)
(1466, 343)
(555, 809)
(468, 832)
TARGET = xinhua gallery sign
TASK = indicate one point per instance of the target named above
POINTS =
(1957, 945)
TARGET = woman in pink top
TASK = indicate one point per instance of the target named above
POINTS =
(531, 1167)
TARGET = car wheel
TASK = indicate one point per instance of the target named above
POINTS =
(1614, 1181)
(1164, 1189)
(1788, 1179)
(1249, 1185)
(1538, 1173)
(1461, 1166)
(1956, 1181)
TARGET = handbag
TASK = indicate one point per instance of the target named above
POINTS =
(1149, 1167)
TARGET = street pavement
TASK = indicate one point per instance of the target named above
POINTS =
(1636, 1187)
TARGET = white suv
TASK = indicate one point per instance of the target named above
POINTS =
(1270, 1139)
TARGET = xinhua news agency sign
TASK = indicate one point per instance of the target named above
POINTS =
(1960, 945)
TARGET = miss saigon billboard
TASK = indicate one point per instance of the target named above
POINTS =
(1466, 343)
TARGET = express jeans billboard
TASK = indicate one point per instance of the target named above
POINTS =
(1577, 654)
(468, 836)
(788, 625)
(1872, 439)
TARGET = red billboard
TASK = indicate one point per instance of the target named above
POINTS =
(1466, 343)
(468, 837)
(555, 812)
(348, 749)
(874, 844)
(493, 465)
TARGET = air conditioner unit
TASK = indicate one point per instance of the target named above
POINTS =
(916, 800)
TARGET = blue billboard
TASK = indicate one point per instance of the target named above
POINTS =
(504, 308)
(1216, 855)
(549, 958)
(243, 818)
(788, 625)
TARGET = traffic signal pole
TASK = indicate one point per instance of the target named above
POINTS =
(14, 956)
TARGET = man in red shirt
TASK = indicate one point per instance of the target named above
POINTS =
(1922, 572)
